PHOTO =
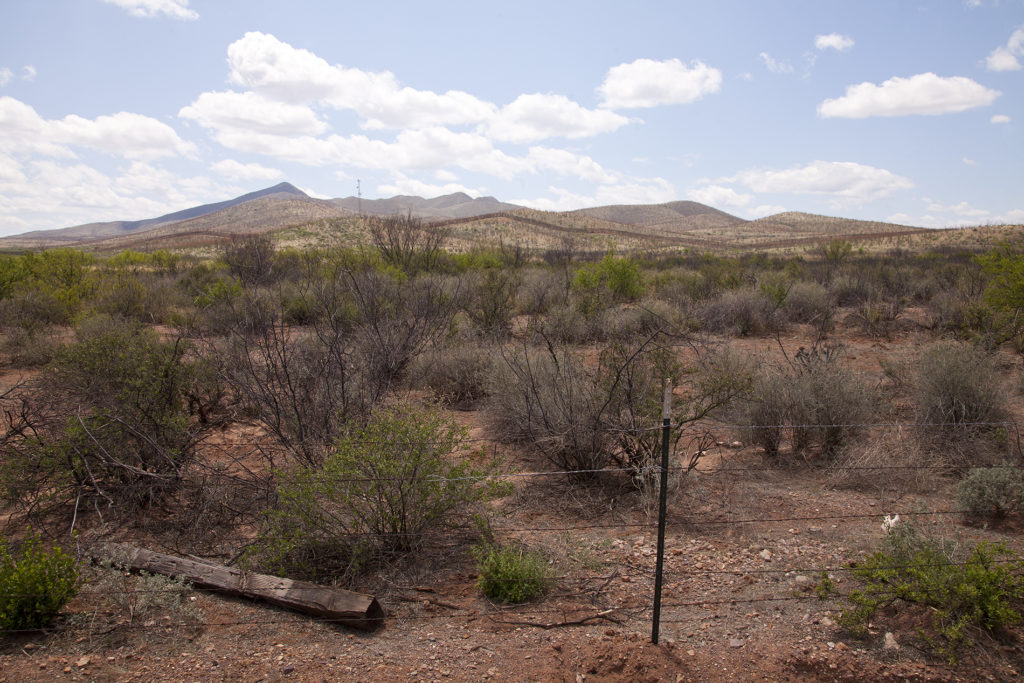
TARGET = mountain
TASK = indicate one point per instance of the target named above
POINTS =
(458, 205)
(92, 231)
(471, 222)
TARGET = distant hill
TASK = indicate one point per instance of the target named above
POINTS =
(472, 222)
(458, 205)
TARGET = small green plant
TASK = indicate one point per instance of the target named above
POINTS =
(918, 574)
(991, 492)
(35, 583)
(510, 572)
(405, 472)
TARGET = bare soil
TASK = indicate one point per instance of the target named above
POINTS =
(746, 545)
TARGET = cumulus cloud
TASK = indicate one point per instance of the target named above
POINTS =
(833, 41)
(132, 136)
(1000, 118)
(719, 195)
(961, 209)
(250, 111)
(649, 83)
(46, 194)
(776, 66)
(631, 191)
(535, 117)
(404, 185)
(564, 162)
(284, 73)
(235, 170)
(921, 94)
(176, 9)
(5, 76)
(842, 180)
(1004, 57)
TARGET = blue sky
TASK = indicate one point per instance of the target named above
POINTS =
(877, 109)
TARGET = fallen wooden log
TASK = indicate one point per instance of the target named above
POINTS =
(347, 607)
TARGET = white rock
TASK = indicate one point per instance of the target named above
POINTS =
(890, 642)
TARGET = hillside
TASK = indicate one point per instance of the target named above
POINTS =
(301, 220)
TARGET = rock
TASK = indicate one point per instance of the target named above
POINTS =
(801, 580)
(814, 529)
(826, 621)
(765, 555)
(890, 642)
(288, 669)
(83, 662)
(735, 642)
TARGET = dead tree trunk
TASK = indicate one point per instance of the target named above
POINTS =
(334, 604)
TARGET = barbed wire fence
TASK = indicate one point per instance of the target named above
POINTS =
(670, 584)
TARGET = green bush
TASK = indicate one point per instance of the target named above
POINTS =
(953, 596)
(405, 472)
(35, 583)
(991, 492)
(509, 572)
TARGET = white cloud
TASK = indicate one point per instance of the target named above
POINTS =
(1000, 118)
(5, 76)
(962, 209)
(766, 210)
(133, 136)
(250, 111)
(1014, 217)
(634, 191)
(648, 83)
(719, 196)
(834, 41)
(776, 66)
(403, 185)
(845, 181)
(921, 94)
(1004, 57)
(46, 194)
(564, 162)
(28, 73)
(969, 162)
(176, 9)
(235, 170)
(535, 117)
(284, 73)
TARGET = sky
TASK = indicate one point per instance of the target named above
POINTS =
(895, 110)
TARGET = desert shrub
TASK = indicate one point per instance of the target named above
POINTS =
(32, 310)
(566, 324)
(491, 300)
(849, 290)
(405, 472)
(894, 461)
(741, 313)
(809, 302)
(816, 398)
(124, 294)
(118, 427)
(547, 397)
(682, 286)
(951, 596)
(876, 317)
(539, 290)
(611, 279)
(135, 597)
(509, 572)
(457, 374)
(250, 259)
(991, 492)
(406, 242)
(31, 348)
(35, 583)
(957, 397)
(964, 315)
(582, 419)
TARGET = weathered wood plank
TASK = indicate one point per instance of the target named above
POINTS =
(347, 607)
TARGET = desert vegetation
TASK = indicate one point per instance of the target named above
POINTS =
(332, 412)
